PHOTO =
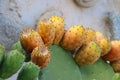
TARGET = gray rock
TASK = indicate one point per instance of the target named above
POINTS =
(114, 21)
(10, 24)
(9, 30)
(86, 3)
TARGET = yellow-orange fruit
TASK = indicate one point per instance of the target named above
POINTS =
(88, 54)
(47, 31)
(30, 39)
(99, 35)
(105, 46)
(90, 35)
(103, 42)
(40, 56)
(73, 38)
(114, 53)
(58, 23)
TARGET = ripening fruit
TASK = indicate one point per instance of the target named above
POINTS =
(88, 54)
(114, 53)
(105, 46)
(47, 31)
(40, 56)
(103, 42)
(30, 39)
(116, 65)
(90, 35)
(73, 38)
(99, 35)
(58, 23)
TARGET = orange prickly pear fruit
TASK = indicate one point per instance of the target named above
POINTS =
(30, 39)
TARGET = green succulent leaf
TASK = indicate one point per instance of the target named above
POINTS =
(116, 76)
(30, 71)
(97, 71)
(2, 51)
(11, 64)
(18, 46)
(61, 66)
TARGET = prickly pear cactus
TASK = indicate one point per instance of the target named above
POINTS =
(18, 46)
(116, 76)
(2, 51)
(97, 71)
(1, 79)
(61, 66)
(11, 64)
(30, 71)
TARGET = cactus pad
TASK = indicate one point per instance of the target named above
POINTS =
(61, 66)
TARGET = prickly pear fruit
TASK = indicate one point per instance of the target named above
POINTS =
(18, 46)
(105, 46)
(2, 51)
(30, 39)
(40, 56)
(99, 35)
(58, 23)
(90, 35)
(47, 31)
(116, 66)
(73, 38)
(11, 64)
(88, 54)
(61, 63)
(30, 71)
(103, 42)
(114, 53)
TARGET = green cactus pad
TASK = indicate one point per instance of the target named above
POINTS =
(97, 71)
(29, 72)
(116, 76)
(61, 66)
(18, 46)
(2, 51)
(11, 64)
(1, 79)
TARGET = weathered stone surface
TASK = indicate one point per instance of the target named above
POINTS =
(86, 3)
(114, 21)
(10, 24)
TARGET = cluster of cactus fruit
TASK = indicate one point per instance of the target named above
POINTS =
(87, 45)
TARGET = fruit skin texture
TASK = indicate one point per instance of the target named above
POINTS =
(103, 42)
(11, 64)
(99, 35)
(30, 71)
(88, 54)
(114, 53)
(30, 39)
(90, 35)
(73, 38)
(40, 56)
(105, 46)
(116, 65)
(58, 23)
(47, 31)
(2, 51)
